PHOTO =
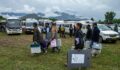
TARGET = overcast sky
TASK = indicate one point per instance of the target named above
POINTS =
(86, 8)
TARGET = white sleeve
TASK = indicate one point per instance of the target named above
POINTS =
(39, 29)
(77, 40)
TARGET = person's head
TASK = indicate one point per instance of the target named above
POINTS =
(94, 24)
(60, 25)
(88, 27)
(116, 25)
(78, 26)
(34, 25)
(53, 24)
(47, 24)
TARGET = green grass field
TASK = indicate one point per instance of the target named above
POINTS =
(15, 55)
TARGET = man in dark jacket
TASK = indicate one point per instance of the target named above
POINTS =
(95, 33)
(79, 42)
(89, 33)
(71, 31)
(95, 39)
(116, 28)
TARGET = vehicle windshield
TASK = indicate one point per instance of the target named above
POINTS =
(14, 23)
(119, 29)
(112, 26)
(103, 27)
(29, 24)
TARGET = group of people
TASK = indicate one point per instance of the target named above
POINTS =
(92, 35)
(51, 33)
(62, 31)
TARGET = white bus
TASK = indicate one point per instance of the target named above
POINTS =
(13, 26)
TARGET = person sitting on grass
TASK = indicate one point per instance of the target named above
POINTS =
(38, 37)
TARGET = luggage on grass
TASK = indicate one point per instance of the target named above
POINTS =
(96, 48)
(35, 48)
(87, 44)
(59, 43)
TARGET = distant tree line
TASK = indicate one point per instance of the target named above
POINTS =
(116, 20)
(110, 18)
(2, 18)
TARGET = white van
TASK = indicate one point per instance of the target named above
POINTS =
(29, 25)
(106, 34)
(13, 26)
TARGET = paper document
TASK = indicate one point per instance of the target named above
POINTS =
(78, 58)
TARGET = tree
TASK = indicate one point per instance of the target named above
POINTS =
(116, 20)
(1, 18)
(99, 21)
(92, 19)
(109, 16)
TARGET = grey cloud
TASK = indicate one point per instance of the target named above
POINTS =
(87, 8)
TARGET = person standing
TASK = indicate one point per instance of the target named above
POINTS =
(79, 42)
(48, 34)
(63, 31)
(116, 28)
(95, 34)
(89, 33)
(60, 31)
(71, 31)
(78, 34)
(95, 40)
(38, 37)
(74, 29)
(88, 37)
(54, 36)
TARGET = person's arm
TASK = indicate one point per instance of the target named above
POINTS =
(53, 33)
(34, 37)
